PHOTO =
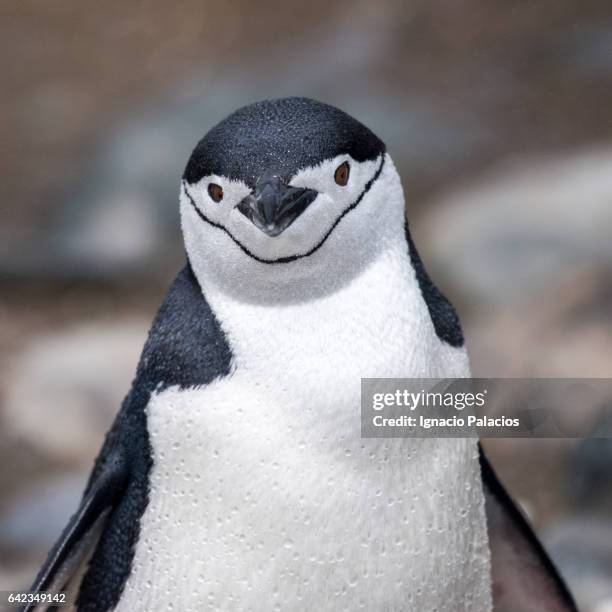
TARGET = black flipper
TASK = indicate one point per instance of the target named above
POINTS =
(76, 544)
(524, 577)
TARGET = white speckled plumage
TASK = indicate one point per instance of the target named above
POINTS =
(263, 496)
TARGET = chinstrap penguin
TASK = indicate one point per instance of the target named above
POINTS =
(234, 476)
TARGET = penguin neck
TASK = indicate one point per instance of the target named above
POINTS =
(375, 325)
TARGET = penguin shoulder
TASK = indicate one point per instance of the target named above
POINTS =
(186, 345)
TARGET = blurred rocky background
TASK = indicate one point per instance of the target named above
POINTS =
(499, 116)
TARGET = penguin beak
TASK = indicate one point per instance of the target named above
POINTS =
(274, 206)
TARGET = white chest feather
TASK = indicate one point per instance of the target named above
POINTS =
(264, 496)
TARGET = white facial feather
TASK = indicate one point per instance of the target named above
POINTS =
(331, 202)
(356, 238)
(321, 178)
(218, 212)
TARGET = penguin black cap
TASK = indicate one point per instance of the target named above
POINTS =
(279, 136)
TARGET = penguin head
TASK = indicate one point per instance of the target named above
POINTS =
(281, 189)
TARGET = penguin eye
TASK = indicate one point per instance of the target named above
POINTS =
(341, 175)
(215, 192)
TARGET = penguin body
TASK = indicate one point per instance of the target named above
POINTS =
(301, 513)
(235, 477)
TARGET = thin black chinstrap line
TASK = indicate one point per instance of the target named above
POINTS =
(290, 258)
